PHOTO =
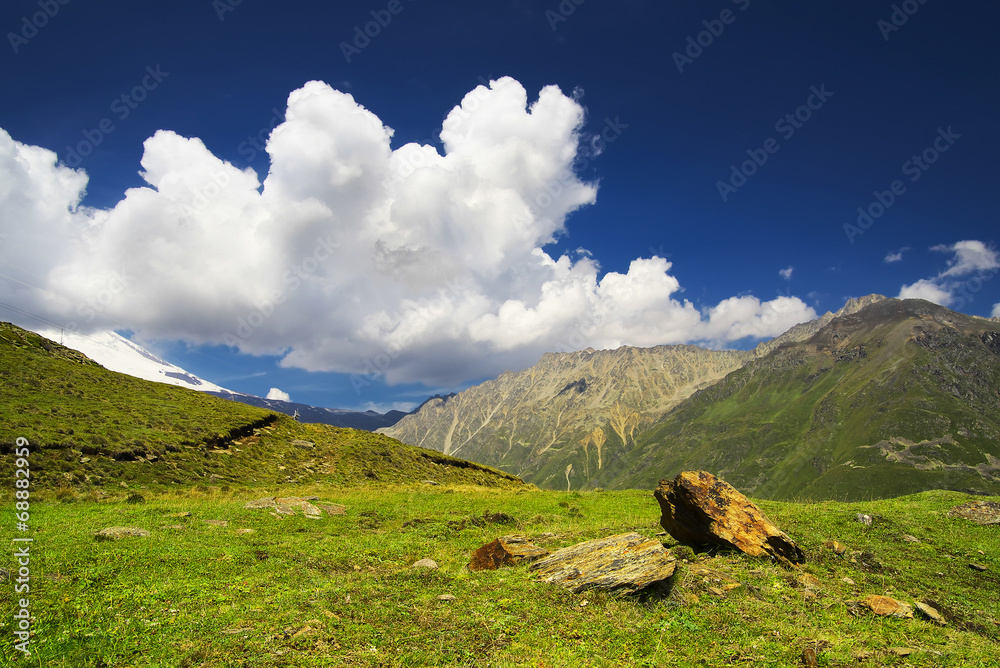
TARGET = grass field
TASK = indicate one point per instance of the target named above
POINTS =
(341, 590)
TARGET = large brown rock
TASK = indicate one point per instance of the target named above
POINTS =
(505, 551)
(698, 508)
(623, 564)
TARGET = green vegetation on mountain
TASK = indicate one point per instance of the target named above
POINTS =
(898, 398)
(559, 423)
(90, 427)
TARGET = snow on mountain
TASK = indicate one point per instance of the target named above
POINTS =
(115, 352)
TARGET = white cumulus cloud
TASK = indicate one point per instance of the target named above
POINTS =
(349, 255)
(971, 263)
(278, 395)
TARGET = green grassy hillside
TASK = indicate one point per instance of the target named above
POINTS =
(899, 398)
(90, 427)
(342, 590)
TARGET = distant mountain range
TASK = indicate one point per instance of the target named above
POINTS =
(116, 353)
(882, 397)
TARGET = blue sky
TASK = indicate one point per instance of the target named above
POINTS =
(440, 280)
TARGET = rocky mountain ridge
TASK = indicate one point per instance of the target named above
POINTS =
(531, 422)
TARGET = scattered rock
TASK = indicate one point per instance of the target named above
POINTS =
(809, 658)
(184, 514)
(977, 567)
(429, 482)
(306, 445)
(242, 629)
(930, 612)
(902, 651)
(84, 460)
(425, 563)
(864, 519)
(848, 580)
(862, 655)
(217, 523)
(289, 505)
(176, 527)
(980, 512)
(117, 533)
(626, 564)
(838, 548)
(242, 532)
(910, 539)
(505, 551)
(887, 607)
(698, 508)
(808, 595)
(446, 597)
(716, 591)
(332, 508)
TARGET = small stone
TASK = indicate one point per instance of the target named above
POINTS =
(304, 631)
(505, 551)
(243, 532)
(332, 508)
(808, 595)
(977, 567)
(184, 514)
(862, 654)
(864, 519)
(910, 539)
(848, 581)
(809, 658)
(429, 482)
(306, 445)
(266, 502)
(838, 548)
(981, 552)
(242, 629)
(84, 460)
(446, 597)
(425, 563)
(731, 586)
(902, 651)
(217, 523)
(810, 581)
(930, 613)
(716, 591)
(177, 527)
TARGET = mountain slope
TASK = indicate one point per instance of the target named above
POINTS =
(89, 426)
(534, 423)
(113, 351)
(897, 398)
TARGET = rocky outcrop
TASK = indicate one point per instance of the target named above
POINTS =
(699, 509)
(980, 512)
(505, 551)
(624, 564)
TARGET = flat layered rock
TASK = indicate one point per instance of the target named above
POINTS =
(290, 505)
(887, 606)
(117, 533)
(625, 564)
(505, 551)
(699, 509)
